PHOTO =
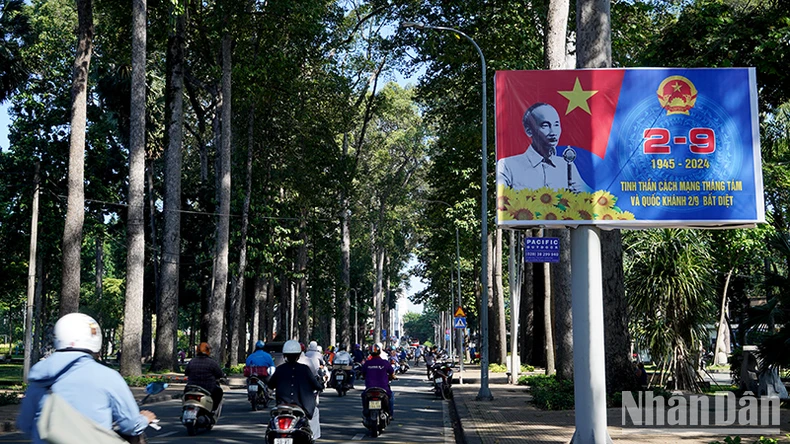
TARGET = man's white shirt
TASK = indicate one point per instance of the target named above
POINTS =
(528, 170)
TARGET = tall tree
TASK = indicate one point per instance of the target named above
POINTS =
(75, 211)
(135, 255)
(14, 33)
(167, 309)
(216, 326)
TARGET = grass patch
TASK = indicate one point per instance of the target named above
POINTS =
(548, 392)
(497, 368)
(721, 388)
(10, 374)
(235, 370)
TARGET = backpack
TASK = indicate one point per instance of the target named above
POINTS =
(60, 423)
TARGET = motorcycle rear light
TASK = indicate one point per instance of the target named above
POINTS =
(284, 422)
(191, 397)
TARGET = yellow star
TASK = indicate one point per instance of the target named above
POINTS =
(577, 98)
(676, 87)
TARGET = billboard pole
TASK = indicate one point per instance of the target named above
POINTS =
(589, 366)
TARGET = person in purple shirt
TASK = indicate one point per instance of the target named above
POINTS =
(378, 373)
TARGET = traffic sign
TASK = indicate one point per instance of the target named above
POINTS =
(459, 312)
(460, 322)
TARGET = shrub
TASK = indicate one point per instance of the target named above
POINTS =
(527, 368)
(548, 392)
(497, 368)
(141, 381)
(235, 370)
(9, 398)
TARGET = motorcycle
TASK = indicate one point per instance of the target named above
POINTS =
(403, 366)
(442, 380)
(340, 380)
(289, 425)
(197, 410)
(258, 392)
(357, 369)
(375, 410)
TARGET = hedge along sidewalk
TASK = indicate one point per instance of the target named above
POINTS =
(512, 418)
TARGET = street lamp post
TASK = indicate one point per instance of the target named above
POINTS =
(485, 392)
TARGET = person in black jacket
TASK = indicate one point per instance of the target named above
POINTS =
(205, 372)
(296, 384)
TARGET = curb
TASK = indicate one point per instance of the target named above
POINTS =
(458, 429)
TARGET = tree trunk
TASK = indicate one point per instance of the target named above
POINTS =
(515, 270)
(547, 319)
(723, 333)
(31, 277)
(167, 309)
(386, 302)
(378, 257)
(527, 312)
(282, 311)
(556, 34)
(493, 313)
(617, 341)
(501, 324)
(99, 265)
(345, 260)
(39, 314)
(237, 296)
(256, 330)
(563, 317)
(304, 299)
(135, 258)
(146, 350)
(219, 292)
(75, 210)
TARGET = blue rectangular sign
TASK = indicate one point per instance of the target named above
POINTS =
(542, 249)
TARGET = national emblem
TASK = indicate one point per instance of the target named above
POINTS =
(677, 95)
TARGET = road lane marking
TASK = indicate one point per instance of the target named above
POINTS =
(358, 437)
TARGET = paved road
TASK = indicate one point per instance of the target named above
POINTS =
(420, 417)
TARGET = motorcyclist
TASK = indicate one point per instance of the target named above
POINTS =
(358, 354)
(378, 373)
(259, 359)
(205, 372)
(329, 357)
(72, 372)
(343, 362)
(315, 358)
(296, 384)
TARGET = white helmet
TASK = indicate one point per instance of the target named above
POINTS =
(77, 331)
(292, 347)
(312, 346)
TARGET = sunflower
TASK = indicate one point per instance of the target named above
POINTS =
(519, 206)
(567, 199)
(548, 212)
(603, 198)
(505, 195)
(625, 215)
(582, 214)
(547, 196)
(602, 213)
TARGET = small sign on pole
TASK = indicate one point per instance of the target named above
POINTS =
(460, 322)
(459, 312)
(542, 249)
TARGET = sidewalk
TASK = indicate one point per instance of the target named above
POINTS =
(511, 418)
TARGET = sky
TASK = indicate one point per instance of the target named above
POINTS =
(4, 123)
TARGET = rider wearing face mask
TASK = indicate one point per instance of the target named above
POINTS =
(96, 391)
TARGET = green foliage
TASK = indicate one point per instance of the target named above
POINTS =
(143, 380)
(497, 368)
(235, 370)
(548, 392)
(10, 398)
(737, 440)
(419, 325)
(527, 368)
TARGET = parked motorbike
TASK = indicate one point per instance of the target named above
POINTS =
(403, 366)
(375, 410)
(289, 425)
(443, 379)
(197, 410)
(340, 379)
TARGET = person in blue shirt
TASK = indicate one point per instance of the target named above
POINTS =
(358, 354)
(96, 391)
(259, 358)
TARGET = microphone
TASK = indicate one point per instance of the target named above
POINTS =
(570, 156)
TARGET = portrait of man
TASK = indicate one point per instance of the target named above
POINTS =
(541, 165)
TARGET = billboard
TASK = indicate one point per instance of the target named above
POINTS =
(628, 148)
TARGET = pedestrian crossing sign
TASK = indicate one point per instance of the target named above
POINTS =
(460, 322)
(459, 312)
